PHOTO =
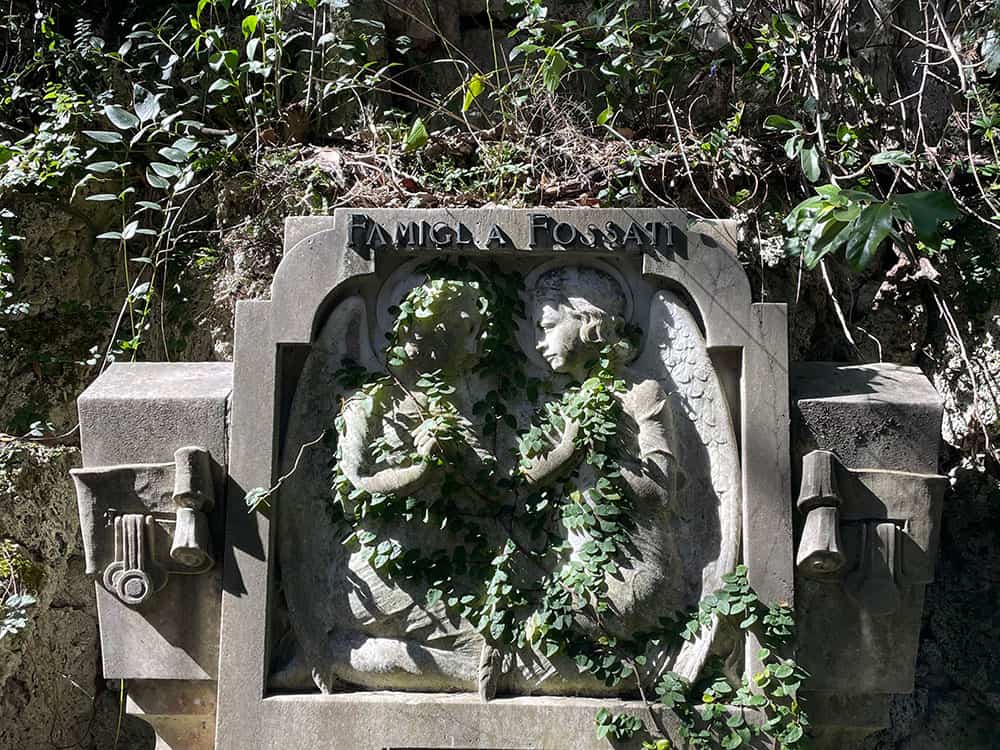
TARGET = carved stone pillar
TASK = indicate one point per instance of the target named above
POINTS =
(866, 441)
(151, 495)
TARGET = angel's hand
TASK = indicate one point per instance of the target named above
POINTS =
(425, 442)
(547, 466)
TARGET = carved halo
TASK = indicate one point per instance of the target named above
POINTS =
(531, 280)
(394, 289)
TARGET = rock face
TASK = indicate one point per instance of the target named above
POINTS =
(51, 691)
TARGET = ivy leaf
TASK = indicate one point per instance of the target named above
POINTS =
(147, 104)
(164, 170)
(121, 118)
(173, 154)
(104, 136)
(793, 734)
(103, 167)
(417, 136)
(155, 180)
(867, 232)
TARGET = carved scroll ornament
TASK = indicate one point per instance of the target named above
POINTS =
(871, 530)
(143, 522)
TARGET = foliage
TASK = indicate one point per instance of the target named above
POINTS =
(858, 223)
(628, 105)
(20, 580)
(532, 588)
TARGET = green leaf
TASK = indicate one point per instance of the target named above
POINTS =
(173, 154)
(187, 145)
(104, 136)
(165, 170)
(102, 167)
(472, 90)
(896, 158)
(867, 232)
(433, 596)
(129, 231)
(783, 124)
(156, 181)
(606, 114)
(417, 136)
(792, 146)
(147, 104)
(102, 197)
(219, 84)
(792, 734)
(109, 236)
(809, 158)
(121, 118)
(552, 69)
(927, 210)
(249, 26)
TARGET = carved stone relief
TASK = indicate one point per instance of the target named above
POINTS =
(357, 625)
(578, 426)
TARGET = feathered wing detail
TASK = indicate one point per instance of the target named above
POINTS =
(345, 335)
(306, 532)
(708, 521)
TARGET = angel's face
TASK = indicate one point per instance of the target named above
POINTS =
(560, 343)
(446, 342)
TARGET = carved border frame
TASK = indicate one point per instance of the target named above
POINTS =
(317, 262)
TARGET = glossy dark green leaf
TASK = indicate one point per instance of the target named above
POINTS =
(867, 233)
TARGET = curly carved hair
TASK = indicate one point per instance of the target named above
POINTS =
(595, 298)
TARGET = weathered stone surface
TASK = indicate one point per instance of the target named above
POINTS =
(51, 689)
(869, 537)
(872, 416)
(957, 698)
(313, 306)
(137, 415)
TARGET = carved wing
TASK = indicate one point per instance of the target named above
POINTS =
(708, 517)
(308, 544)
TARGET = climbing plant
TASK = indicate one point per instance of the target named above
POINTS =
(522, 588)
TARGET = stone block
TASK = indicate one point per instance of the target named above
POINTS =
(132, 420)
(866, 446)
(881, 415)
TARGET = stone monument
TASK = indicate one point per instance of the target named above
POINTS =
(489, 451)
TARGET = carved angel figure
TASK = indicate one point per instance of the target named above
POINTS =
(675, 446)
(378, 631)
(410, 453)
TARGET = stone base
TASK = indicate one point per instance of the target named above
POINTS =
(182, 713)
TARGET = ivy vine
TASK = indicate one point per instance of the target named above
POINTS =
(529, 586)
